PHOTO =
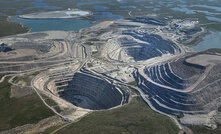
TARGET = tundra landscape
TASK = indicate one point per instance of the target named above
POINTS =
(135, 74)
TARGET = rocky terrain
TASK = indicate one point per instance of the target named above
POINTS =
(90, 69)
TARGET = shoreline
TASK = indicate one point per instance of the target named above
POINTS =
(92, 22)
(29, 29)
(62, 14)
(198, 38)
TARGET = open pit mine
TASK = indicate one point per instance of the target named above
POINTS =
(90, 69)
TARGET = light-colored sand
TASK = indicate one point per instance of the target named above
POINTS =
(57, 14)
(204, 59)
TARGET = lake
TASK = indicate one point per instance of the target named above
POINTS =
(38, 25)
(212, 40)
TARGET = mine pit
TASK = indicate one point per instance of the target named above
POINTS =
(90, 92)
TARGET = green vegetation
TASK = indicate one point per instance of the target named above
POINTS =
(219, 109)
(214, 50)
(93, 39)
(24, 79)
(52, 103)
(1, 75)
(89, 64)
(58, 109)
(94, 53)
(17, 112)
(181, 115)
(101, 58)
(89, 43)
(214, 26)
(135, 117)
(10, 28)
(204, 130)
(100, 32)
(52, 129)
(10, 9)
(133, 83)
(193, 42)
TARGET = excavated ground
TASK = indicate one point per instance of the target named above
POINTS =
(90, 69)
(91, 92)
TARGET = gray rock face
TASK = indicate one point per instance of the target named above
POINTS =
(92, 68)
(91, 92)
(144, 38)
(185, 70)
(182, 87)
(43, 47)
(154, 45)
(5, 48)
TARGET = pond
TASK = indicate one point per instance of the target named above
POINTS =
(212, 40)
(38, 25)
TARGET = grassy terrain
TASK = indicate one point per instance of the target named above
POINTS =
(203, 130)
(89, 64)
(24, 78)
(215, 50)
(133, 83)
(52, 103)
(10, 28)
(89, 43)
(17, 112)
(52, 129)
(215, 26)
(194, 41)
(11, 8)
(134, 118)
(180, 116)
(219, 109)
(1, 75)
(93, 39)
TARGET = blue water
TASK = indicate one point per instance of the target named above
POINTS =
(156, 9)
(208, 13)
(182, 9)
(35, 4)
(40, 4)
(128, 7)
(100, 8)
(213, 19)
(79, 4)
(18, 12)
(107, 15)
(38, 25)
(7, 8)
(148, 6)
(218, 9)
(121, 1)
(212, 40)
